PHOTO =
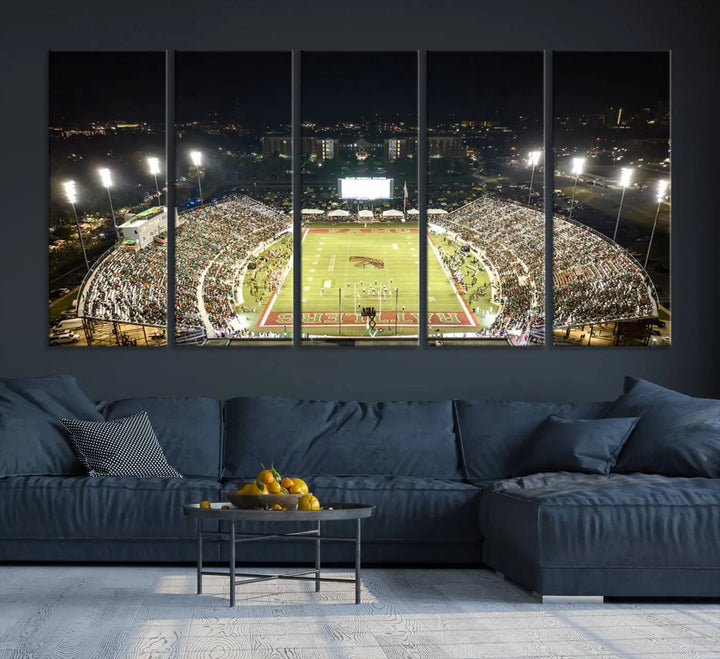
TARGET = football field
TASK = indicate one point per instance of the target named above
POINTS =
(345, 269)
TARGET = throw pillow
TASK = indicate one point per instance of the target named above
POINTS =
(677, 435)
(588, 446)
(122, 447)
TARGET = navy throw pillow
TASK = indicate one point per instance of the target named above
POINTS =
(677, 435)
(588, 446)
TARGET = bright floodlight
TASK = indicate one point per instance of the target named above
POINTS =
(70, 192)
(105, 177)
(534, 158)
(625, 176)
(578, 164)
(196, 158)
(154, 164)
(662, 186)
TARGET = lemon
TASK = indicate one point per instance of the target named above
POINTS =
(308, 502)
(205, 504)
(299, 486)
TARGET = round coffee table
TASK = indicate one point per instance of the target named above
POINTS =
(331, 512)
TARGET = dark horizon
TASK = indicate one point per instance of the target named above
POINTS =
(351, 86)
(592, 82)
(481, 86)
(252, 89)
(101, 87)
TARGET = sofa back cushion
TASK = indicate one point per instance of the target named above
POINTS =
(493, 434)
(312, 437)
(589, 446)
(677, 435)
(189, 430)
(32, 439)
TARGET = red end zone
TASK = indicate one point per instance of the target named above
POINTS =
(332, 318)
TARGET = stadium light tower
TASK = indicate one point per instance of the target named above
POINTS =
(71, 196)
(533, 159)
(196, 158)
(578, 165)
(106, 179)
(662, 186)
(154, 165)
(625, 178)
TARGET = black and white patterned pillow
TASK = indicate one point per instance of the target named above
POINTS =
(121, 447)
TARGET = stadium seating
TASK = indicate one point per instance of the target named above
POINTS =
(629, 514)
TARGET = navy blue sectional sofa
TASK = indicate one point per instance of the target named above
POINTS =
(452, 480)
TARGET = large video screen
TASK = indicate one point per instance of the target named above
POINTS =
(365, 188)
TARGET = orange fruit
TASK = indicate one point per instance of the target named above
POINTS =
(266, 476)
(274, 487)
(299, 487)
(205, 504)
(277, 506)
(308, 502)
(287, 482)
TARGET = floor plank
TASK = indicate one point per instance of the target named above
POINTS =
(73, 612)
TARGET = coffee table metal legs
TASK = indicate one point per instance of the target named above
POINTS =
(314, 575)
(232, 563)
(357, 562)
(200, 556)
(317, 560)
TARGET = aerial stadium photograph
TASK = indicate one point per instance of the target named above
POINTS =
(360, 227)
(107, 199)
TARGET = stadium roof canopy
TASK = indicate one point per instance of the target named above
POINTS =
(365, 213)
(436, 211)
(413, 211)
(311, 211)
(339, 212)
(392, 213)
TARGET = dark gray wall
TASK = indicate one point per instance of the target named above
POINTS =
(27, 32)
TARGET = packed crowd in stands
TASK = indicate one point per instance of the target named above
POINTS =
(594, 280)
(510, 239)
(212, 244)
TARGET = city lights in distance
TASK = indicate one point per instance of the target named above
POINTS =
(578, 165)
(662, 186)
(196, 158)
(534, 158)
(105, 177)
(70, 192)
(154, 164)
(625, 176)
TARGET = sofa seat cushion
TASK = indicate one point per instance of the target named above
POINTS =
(189, 429)
(314, 437)
(106, 507)
(574, 520)
(407, 509)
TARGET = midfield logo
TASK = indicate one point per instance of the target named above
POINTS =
(362, 261)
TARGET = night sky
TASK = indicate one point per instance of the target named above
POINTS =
(479, 86)
(592, 82)
(250, 88)
(86, 87)
(350, 86)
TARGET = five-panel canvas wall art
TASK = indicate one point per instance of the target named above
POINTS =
(392, 209)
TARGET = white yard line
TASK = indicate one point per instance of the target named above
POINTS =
(451, 281)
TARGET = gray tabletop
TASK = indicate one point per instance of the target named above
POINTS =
(329, 512)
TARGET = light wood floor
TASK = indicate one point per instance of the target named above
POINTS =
(62, 612)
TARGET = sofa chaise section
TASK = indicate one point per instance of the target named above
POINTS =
(639, 535)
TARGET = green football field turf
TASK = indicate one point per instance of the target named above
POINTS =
(347, 268)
